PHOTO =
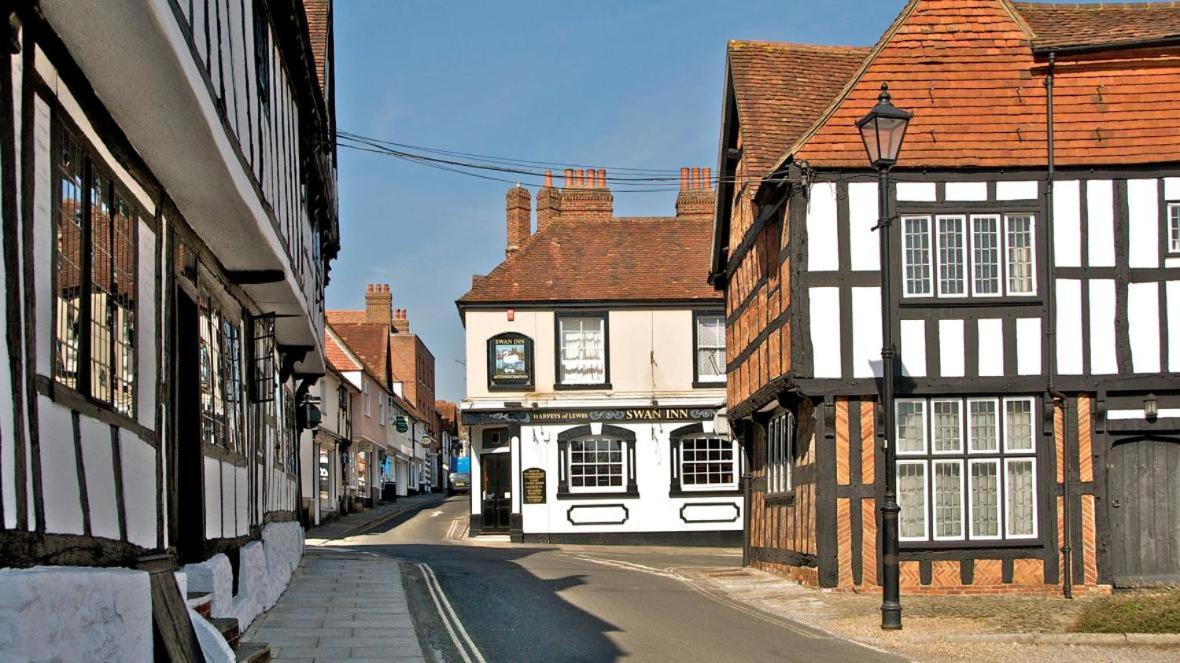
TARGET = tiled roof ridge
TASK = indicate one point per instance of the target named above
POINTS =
(797, 45)
(1096, 6)
(852, 81)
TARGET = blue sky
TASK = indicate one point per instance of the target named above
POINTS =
(611, 82)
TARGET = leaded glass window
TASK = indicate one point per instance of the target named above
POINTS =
(916, 247)
(985, 253)
(951, 258)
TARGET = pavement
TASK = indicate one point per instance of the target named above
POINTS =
(342, 527)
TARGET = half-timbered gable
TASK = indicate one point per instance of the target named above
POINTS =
(170, 213)
(1025, 295)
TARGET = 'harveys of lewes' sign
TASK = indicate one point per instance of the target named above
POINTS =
(533, 481)
(510, 362)
(575, 416)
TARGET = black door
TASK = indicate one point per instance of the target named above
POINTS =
(189, 528)
(1143, 509)
(495, 472)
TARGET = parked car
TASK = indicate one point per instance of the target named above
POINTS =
(460, 483)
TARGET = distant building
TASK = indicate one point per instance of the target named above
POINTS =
(595, 372)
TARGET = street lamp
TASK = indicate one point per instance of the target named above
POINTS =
(883, 130)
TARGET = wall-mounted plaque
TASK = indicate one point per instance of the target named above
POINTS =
(510, 362)
(533, 480)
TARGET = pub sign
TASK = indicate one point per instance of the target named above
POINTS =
(510, 362)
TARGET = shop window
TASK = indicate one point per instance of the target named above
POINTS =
(597, 464)
(961, 255)
(967, 469)
(94, 277)
(582, 350)
(709, 342)
(780, 450)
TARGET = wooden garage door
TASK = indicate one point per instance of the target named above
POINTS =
(1143, 507)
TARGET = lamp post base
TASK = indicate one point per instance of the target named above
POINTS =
(891, 595)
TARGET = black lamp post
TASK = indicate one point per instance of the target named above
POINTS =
(883, 130)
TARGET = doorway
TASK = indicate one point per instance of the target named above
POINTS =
(1143, 510)
(189, 527)
(495, 470)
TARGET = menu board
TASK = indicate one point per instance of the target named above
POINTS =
(534, 485)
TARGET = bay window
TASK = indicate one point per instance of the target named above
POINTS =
(976, 255)
(709, 336)
(582, 350)
(966, 468)
(94, 271)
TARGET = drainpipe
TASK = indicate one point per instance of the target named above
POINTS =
(1060, 402)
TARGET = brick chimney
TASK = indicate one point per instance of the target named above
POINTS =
(401, 322)
(697, 195)
(586, 196)
(378, 303)
(548, 203)
(519, 206)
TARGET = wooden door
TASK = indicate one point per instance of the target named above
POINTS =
(1143, 511)
(496, 490)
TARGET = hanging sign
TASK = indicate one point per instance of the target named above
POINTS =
(510, 362)
(400, 423)
(533, 480)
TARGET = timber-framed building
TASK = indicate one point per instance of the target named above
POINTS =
(168, 188)
(1037, 305)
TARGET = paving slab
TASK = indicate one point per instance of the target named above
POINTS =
(340, 606)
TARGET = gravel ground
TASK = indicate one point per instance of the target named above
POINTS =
(928, 619)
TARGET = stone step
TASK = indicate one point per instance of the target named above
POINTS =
(201, 602)
(228, 627)
(253, 652)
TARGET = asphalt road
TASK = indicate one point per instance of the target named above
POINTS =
(582, 603)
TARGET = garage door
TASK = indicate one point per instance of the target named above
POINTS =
(1143, 507)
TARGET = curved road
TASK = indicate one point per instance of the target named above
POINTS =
(524, 602)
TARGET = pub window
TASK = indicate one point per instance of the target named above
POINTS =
(1173, 233)
(597, 464)
(710, 348)
(708, 463)
(966, 469)
(780, 450)
(221, 378)
(582, 343)
(94, 270)
(979, 255)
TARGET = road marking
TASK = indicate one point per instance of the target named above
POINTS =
(629, 566)
(436, 514)
(449, 618)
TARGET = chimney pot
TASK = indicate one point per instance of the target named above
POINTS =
(684, 179)
(569, 178)
(696, 178)
(601, 178)
(549, 178)
(707, 179)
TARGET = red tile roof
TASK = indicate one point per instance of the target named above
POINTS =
(318, 16)
(1066, 25)
(781, 89)
(369, 342)
(967, 71)
(624, 258)
(337, 356)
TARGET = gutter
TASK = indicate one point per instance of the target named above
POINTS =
(1082, 49)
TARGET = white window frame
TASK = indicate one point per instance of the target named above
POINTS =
(701, 487)
(999, 412)
(1035, 507)
(1007, 270)
(1000, 520)
(963, 498)
(1032, 418)
(1172, 228)
(561, 377)
(925, 426)
(365, 389)
(1000, 272)
(964, 258)
(931, 275)
(930, 424)
(925, 465)
(624, 468)
(381, 408)
(711, 379)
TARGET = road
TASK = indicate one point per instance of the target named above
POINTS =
(583, 603)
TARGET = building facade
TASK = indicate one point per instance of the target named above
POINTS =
(163, 286)
(1036, 304)
(594, 375)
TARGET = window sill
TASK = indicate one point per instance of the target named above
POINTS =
(75, 400)
(968, 302)
(1012, 544)
(221, 453)
(780, 499)
(622, 495)
(724, 492)
(697, 384)
(583, 387)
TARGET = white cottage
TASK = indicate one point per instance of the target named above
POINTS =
(595, 371)
(168, 193)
